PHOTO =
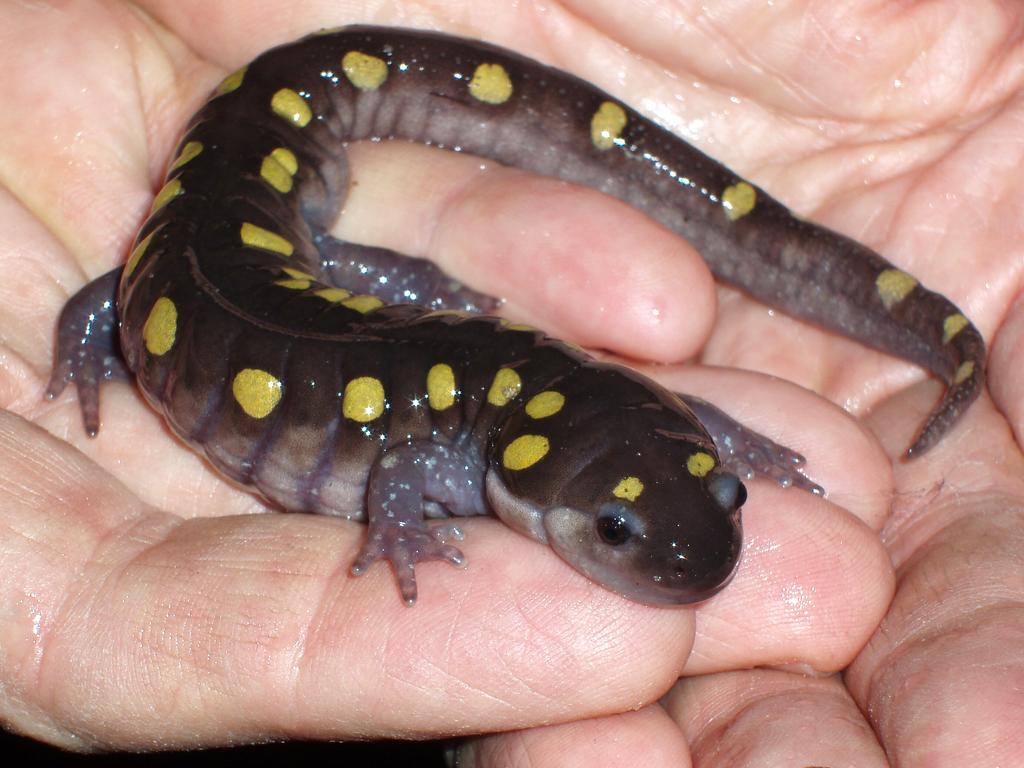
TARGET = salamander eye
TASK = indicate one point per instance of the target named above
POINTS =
(615, 524)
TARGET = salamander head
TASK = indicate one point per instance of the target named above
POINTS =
(642, 509)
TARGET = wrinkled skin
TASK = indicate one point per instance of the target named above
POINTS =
(142, 605)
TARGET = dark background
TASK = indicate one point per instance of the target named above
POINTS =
(20, 751)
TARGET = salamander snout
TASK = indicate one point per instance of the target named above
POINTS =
(632, 495)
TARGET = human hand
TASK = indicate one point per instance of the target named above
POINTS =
(165, 618)
(907, 123)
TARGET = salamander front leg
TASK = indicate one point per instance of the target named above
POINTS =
(88, 350)
(747, 453)
(407, 484)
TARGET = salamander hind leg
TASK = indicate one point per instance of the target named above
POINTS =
(748, 453)
(407, 484)
(88, 350)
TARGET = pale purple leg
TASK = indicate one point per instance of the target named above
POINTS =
(405, 481)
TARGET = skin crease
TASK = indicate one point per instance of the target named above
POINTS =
(143, 607)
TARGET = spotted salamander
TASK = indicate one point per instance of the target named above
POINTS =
(257, 335)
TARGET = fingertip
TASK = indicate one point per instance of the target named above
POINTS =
(574, 262)
(840, 455)
(611, 278)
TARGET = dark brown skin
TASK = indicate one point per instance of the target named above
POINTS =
(139, 605)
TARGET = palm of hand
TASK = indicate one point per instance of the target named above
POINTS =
(140, 561)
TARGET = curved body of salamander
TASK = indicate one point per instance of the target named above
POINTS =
(337, 403)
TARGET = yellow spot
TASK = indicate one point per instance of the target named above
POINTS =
(525, 451)
(545, 404)
(298, 285)
(964, 372)
(893, 286)
(506, 385)
(365, 72)
(739, 200)
(491, 84)
(364, 303)
(333, 295)
(300, 281)
(276, 176)
(520, 327)
(441, 387)
(952, 325)
(170, 191)
(287, 159)
(628, 488)
(278, 168)
(137, 253)
(256, 391)
(442, 313)
(606, 125)
(231, 82)
(287, 104)
(189, 152)
(161, 327)
(258, 237)
(700, 463)
(363, 400)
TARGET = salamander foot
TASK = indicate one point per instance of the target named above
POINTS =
(750, 454)
(404, 544)
(88, 349)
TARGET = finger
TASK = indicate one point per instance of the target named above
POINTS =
(942, 677)
(138, 449)
(30, 297)
(134, 626)
(1004, 379)
(979, 453)
(572, 261)
(814, 579)
(646, 737)
(841, 455)
(85, 179)
(812, 584)
(772, 718)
